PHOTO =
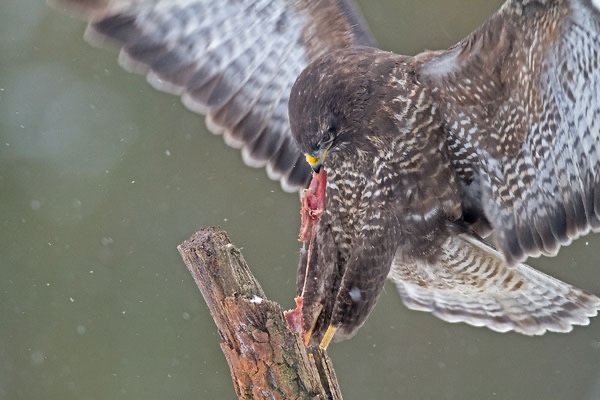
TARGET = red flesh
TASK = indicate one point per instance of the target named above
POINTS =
(313, 204)
(294, 317)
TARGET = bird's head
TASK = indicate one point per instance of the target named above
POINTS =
(328, 103)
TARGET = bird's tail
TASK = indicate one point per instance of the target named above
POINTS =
(470, 282)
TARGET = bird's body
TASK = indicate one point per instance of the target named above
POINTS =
(378, 173)
(430, 152)
(425, 155)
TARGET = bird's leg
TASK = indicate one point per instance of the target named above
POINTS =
(317, 280)
(311, 246)
(360, 286)
(313, 205)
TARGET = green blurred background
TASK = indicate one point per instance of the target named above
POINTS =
(101, 177)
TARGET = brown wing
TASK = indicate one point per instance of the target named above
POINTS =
(470, 282)
(235, 61)
(520, 97)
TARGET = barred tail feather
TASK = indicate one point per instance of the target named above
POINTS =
(470, 282)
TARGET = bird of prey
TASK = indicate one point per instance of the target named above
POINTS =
(425, 155)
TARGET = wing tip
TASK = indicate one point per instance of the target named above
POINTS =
(121, 24)
(216, 128)
(251, 161)
(193, 105)
(130, 64)
(163, 85)
(580, 316)
(539, 304)
(288, 187)
(552, 238)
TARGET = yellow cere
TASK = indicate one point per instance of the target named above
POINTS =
(311, 160)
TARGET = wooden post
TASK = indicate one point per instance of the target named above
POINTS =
(266, 359)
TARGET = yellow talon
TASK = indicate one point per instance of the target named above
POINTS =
(307, 336)
(328, 336)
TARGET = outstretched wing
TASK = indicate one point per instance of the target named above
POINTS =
(234, 61)
(521, 102)
(470, 282)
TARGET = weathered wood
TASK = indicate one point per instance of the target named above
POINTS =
(266, 359)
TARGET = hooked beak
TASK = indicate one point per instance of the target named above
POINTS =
(316, 159)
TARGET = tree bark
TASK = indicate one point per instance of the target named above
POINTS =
(266, 359)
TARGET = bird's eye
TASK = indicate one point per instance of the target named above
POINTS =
(327, 137)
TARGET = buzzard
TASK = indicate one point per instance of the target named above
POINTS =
(425, 155)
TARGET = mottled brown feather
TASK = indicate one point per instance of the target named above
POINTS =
(500, 133)
(519, 98)
(497, 131)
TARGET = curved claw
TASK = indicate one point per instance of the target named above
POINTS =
(328, 336)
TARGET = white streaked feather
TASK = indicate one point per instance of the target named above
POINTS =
(164, 86)
(520, 298)
(131, 65)
(255, 45)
